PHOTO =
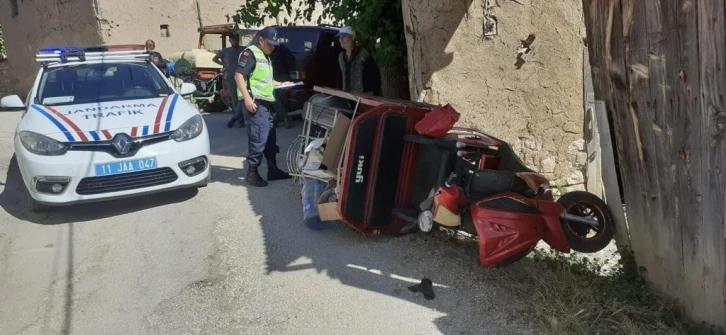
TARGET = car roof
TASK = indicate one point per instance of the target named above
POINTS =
(63, 56)
(308, 26)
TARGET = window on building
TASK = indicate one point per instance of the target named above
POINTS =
(164, 30)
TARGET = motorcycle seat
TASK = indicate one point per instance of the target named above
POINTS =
(486, 183)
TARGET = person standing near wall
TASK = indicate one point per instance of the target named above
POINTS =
(256, 90)
(358, 68)
(228, 58)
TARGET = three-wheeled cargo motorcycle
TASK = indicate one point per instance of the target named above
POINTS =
(405, 168)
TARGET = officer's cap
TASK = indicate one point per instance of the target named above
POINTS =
(270, 35)
(348, 30)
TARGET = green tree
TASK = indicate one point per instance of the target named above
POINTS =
(3, 52)
(374, 21)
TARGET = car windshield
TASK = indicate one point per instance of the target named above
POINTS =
(100, 82)
(298, 40)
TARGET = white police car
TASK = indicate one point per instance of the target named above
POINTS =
(103, 122)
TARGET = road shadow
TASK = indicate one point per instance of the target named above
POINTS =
(69, 290)
(230, 142)
(224, 141)
(13, 202)
(468, 295)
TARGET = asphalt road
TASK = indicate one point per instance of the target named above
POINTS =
(226, 259)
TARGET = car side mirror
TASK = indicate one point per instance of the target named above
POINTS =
(11, 103)
(187, 89)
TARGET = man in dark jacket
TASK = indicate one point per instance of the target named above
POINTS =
(283, 62)
(359, 69)
(155, 56)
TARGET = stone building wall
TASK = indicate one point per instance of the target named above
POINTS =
(135, 21)
(523, 84)
(29, 24)
(93, 22)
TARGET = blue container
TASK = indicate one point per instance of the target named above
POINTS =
(311, 191)
(170, 69)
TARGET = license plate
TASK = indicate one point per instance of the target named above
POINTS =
(133, 165)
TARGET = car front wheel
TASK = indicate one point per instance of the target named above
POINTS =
(32, 204)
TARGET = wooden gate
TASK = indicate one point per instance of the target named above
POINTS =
(659, 66)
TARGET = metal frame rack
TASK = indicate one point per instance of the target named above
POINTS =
(324, 117)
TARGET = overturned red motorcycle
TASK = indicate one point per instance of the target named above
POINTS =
(396, 179)
(508, 206)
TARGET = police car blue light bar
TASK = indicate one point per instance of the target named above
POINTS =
(99, 48)
(58, 50)
(63, 54)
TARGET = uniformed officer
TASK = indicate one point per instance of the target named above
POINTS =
(254, 72)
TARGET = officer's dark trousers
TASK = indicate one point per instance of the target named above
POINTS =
(261, 133)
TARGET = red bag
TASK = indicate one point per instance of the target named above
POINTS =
(438, 121)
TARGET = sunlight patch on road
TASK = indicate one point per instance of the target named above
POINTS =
(391, 275)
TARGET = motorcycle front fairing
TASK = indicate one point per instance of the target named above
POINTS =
(509, 225)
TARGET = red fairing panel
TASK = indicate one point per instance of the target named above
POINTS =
(502, 233)
(508, 229)
(553, 234)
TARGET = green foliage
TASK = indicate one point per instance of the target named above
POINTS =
(3, 52)
(372, 19)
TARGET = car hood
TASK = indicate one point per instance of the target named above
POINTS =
(101, 121)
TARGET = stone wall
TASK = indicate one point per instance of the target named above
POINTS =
(135, 21)
(522, 84)
(31, 24)
(93, 22)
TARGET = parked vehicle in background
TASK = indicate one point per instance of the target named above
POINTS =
(196, 66)
(316, 50)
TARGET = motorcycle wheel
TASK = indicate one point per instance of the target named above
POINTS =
(586, 204)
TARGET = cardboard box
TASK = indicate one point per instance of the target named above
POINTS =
(328, 211)
(336, 140)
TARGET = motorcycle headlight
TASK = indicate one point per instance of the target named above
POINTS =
(189, 130)
(41, 144)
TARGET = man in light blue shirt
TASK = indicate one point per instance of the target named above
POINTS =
(228, 58)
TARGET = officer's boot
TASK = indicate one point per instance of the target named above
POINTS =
(253, 178)
(273, 172)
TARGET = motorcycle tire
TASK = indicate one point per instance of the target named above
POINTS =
(574, 203)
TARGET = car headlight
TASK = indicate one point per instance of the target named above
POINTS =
(41, 144)
(189, 130)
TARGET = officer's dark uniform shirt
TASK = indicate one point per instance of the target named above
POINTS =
(246, 64)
